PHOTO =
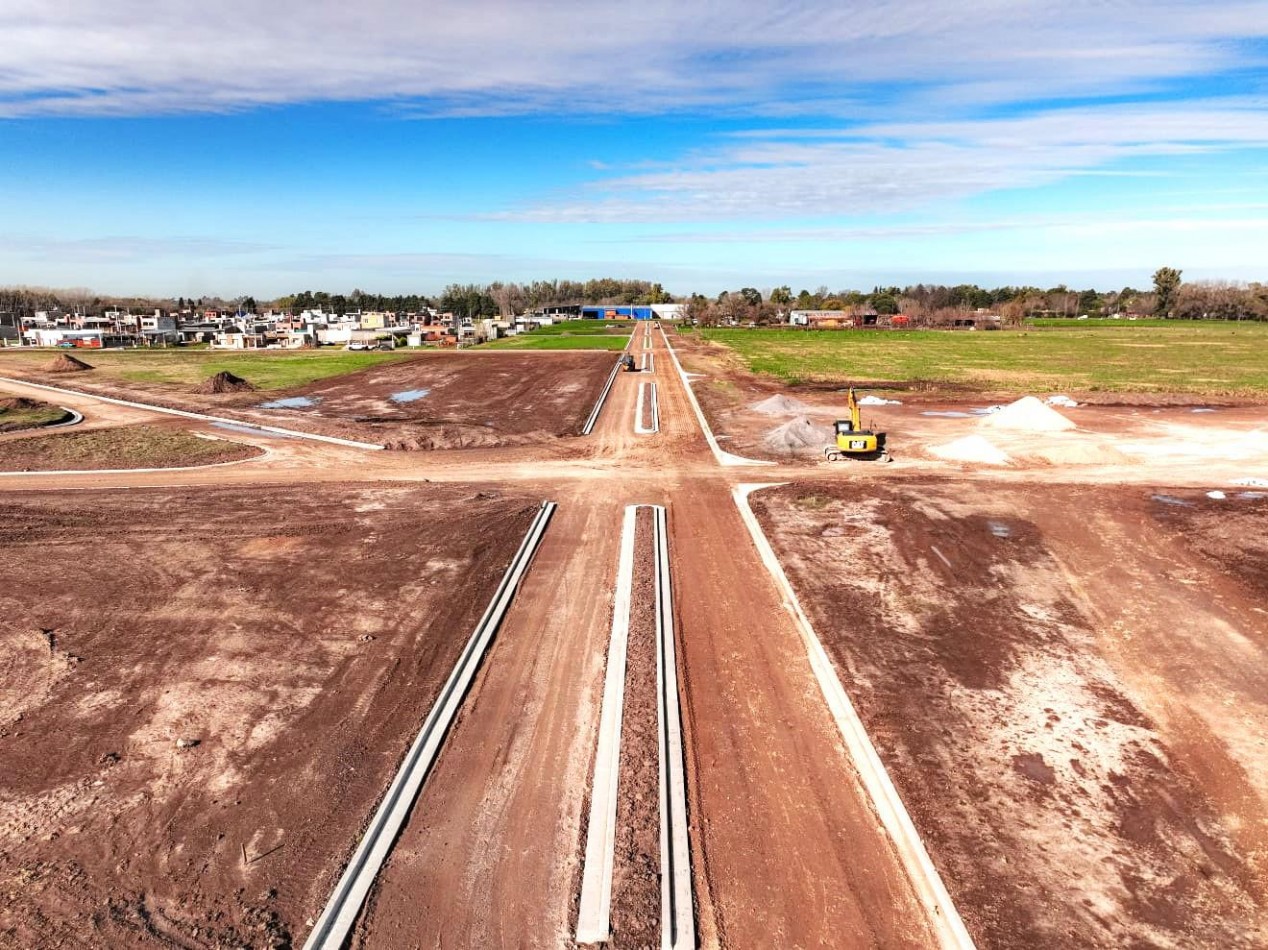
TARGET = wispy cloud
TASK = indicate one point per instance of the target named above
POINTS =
(87, 57)
(897, 166)
(123, 249)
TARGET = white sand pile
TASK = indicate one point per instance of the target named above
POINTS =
(972, 448)
(797, 436)
(1028, 414)
(878, 401)
(781, 406)
(1064, 402)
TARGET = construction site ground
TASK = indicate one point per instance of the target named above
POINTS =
(1057, 661)
(426, 401)
(1070, 687)
(202, 705)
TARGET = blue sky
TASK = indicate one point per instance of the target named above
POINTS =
(222, 147)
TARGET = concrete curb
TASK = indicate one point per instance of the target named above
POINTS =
(603, 397)
(75, 419)
(677, 907)
(944, 920)
(149, 407)
(335, 924)
(723, 457)
(640, 429)
(594, 923)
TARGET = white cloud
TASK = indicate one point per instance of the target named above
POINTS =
(887, 167)
(476, 56)
(123, 248)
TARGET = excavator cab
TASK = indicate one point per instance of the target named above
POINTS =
(855, 442)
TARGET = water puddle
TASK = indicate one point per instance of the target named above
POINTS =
(1172, 500)
(1202, 409)
(1251, 495)
(409, 395)
(292, 402)
(947, 413)
(999, 529)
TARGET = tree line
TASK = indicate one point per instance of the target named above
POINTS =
(925, 304)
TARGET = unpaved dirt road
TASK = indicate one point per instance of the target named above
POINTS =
(1159, 840)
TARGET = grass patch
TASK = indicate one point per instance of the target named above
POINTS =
(140, 446)
(585, 328)
(17, 414)
(1208, 358)
(571, 335)
(267, 369)
(530, 341)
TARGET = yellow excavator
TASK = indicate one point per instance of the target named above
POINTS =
(855, 442)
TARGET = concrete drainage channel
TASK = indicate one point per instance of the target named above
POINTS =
(608, 808)
(647, 399)
(340, 914)
(603, 397)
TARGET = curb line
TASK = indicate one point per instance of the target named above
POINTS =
(344, 907)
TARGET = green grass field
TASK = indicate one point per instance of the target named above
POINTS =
(17, 414)
(1209, 358)
(267, 369)
(586, 327)
(571, 335)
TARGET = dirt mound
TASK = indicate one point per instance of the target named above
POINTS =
(19, 404)
(972, 448)
(224, 382)
(781, 406)
(1028, 414)
(797, 436)
(65, 363)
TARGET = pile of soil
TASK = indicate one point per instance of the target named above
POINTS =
(781, 406)
(65, 363)
(972, 448)
(797, 436)
(1028, 414)
(19, 404)
(224, 382)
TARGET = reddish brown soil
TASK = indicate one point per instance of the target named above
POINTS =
(204, 701)
(1049, 680)
(473, 399)
(65, 363)
(636, 874)
(224, 382)
(1229, 535)
(124, 447)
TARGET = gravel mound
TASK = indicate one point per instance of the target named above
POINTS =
(1028, 414)
(781, 406)
(972, 448)
(798, 436)
(65, 363)
(224, 382)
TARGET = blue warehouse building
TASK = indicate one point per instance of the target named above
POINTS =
(615, 312)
